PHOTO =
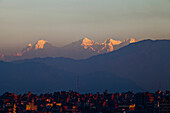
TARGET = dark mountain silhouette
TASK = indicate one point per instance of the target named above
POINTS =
(147, 63)
(36, 77)
(101, 81)
(41, 78)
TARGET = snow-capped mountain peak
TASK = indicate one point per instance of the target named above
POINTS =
(81, 49)
(87, 43)
(133, 40)
(110, 43)
(40, 44)
(113, 42)
(29, 45)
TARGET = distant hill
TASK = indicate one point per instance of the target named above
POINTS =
(146, 63)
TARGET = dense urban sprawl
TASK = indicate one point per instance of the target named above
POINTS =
(129, 102)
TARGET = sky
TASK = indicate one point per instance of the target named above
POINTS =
(63, 21)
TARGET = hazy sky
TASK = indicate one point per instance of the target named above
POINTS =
(63, 21)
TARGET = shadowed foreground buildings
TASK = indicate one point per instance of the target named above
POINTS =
(158, 102)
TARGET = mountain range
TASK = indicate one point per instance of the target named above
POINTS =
(140, 66)
(80, 49)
